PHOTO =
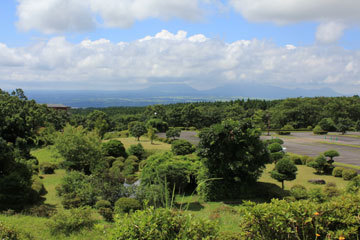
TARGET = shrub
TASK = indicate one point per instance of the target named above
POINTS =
(286, 130)
(7, 233)
(126, 205)
(319, 131)
(42, 210)
(47, 168)
(162, 224)
(104, 209)
(330, 190)
(296, 159)
(316, 195)
(274, 140)
(77, 190)
(321, 165)
(354, 185)
(137, 150)
(298, 192)
(102, 204)
(182, 147)
(73, 220)
(302, 219)
(337, 172)
(349, 174)
(284, 170)
(114, 148)
(173, 133)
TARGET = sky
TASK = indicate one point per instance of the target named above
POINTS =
(132, 44)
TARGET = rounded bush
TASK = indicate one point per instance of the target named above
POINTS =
(337, 172)
(349, 174)
(47, 168)
(275, 147)
(137, 150)
(102, 204)
(354, 185)
(274, 140)
(296, 159)
(330, 190)
(299, 192)
(126, 205)
(319, 131)
(114, 148)
(182, 147)
(107, 214)
(163, 224)
(73, 220)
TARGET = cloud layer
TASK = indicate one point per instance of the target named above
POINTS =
(54, 16)
(167, 57)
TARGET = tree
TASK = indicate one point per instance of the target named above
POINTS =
(321, 165)
(233, 156)
(99, 121)
(173, 133)
(344, 125)
(137, 150)
(276, 151)
(182, 147)
(285, 170)
(80, 149)
(151, 134)
(114, 148)
(138, 129)
(327, 124)
(158, 124)
(331, 154)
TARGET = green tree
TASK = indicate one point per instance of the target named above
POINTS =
(137, 150)
(137, 130)
(80, 149)
(114, 148)
(276, 151)
(327, 124)
(99, 121)
(158, 124)
(151, 134)
(182, 147)
(285, 170)
(344, 125)
(321, 165)
(173, 133)
(331, 154)
(234, 155)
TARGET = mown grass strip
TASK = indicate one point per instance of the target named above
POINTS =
(340, 144)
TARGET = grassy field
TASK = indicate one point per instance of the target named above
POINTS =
(303, 175)
(146, 143)
(339, 144)
(47, 154)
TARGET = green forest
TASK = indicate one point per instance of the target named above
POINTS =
(128, 172)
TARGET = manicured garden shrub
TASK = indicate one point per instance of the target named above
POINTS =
(7, 233)
(274, 140)
(296, 159)
(102, 204)
(162, 224)
(321, 165)
(126, 205)
(337, 172)
(73, 220)
(316, 195)
(137, 150)
(299, 192)
(47, 168)
(335, 219)
(182, 147)
(354, 185)
(349, 174)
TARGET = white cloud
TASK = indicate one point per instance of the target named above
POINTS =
(167, 57)
(54, 16)
(334, 15)
(292, 11)
(330, 32)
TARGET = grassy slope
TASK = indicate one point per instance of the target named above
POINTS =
(146, 144)
(47, 154)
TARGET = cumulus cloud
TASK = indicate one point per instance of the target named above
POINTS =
(176, 57)
(54, 16)
(330, 32)
(333, 15)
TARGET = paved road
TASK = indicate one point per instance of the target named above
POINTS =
(309, 144)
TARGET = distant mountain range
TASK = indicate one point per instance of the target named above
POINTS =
(171, 93)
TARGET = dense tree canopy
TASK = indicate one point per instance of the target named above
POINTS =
(233, 156)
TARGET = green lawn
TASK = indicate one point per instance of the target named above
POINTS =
(47, 154)
(303, 175)
(146, 143)
(340, 144)
(50, 182)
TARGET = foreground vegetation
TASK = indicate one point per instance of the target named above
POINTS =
(76, 177)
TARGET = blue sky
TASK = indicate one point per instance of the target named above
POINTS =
(110, 44)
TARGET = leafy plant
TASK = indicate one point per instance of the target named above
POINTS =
(126, 205)
(349, 174)
(285, 170)
(182, 147)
